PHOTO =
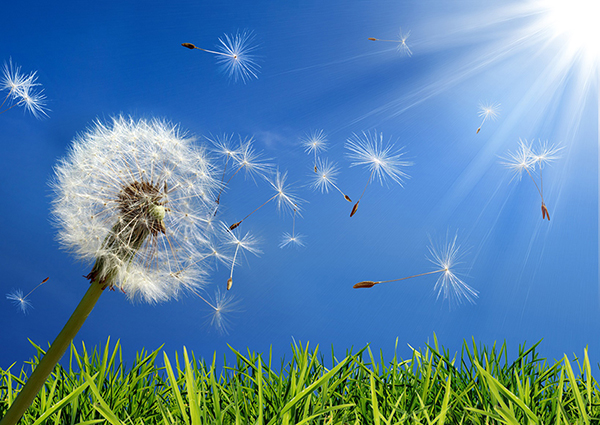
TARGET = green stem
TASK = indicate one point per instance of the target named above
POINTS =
(52, 356)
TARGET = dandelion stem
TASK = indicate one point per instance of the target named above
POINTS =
(53, 355)
(237, 248)
(216, 53)
(340, 190)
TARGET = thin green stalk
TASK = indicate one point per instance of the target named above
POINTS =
(52, 356)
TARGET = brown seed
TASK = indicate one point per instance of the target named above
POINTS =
(188, 45)
(45, 280)
(365, 284)
(478, 130)
(372, 39)
(229, 283)
(347, 198)
(545, 212)
(354, 209)
(315, 168)
(234, 225)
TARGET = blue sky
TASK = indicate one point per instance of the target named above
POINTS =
(536, 279)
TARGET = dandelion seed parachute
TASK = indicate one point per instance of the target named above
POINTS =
(134, 196)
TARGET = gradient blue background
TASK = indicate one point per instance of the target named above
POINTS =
(537, 279)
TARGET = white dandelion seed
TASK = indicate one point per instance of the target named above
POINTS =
(20, 301)
(235, 55)
(401, 41)
(222, 306)
(325, 177)
(133, 196)
(286, 199)
(315, 142)
(448, 284)
(292, 239)
(369, 150)
(488, 110)
(22, 91)
(526, 158)
(445, 257)
(246, 243)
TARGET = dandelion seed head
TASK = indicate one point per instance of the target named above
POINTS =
(237, 59)
(289, 239)
(369, 150)
(315, 142)
(133, 196)
(325, 176)
(449, 285)
(19, 300)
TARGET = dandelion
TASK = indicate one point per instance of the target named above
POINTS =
(315, 142)
(526, 158)
(402, 46)
(369, 150)
(20, 301)
(448, 284)
(325, 178)
(286, 200)
(22, 91)
(488, 110)
(246, 243)
(235, 55)
(292, 239)
(131, 196)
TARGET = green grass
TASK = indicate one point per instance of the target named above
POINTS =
(479, 385)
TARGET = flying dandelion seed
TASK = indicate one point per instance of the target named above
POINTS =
(325, 178)
(488, 110)
(286, 199)
(370, 150)
(22, 91)
(526, 159)
(314, 143)
(20, 301)
(292, 239)
(223, 305)
(246, 243)
(235, 55)
(402, 46)
(448, 284)
(244, 158)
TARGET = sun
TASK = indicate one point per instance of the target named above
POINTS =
(577, 24)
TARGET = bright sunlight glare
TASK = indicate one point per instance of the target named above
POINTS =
(578, 22)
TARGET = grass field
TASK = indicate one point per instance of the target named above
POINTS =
(479, 385)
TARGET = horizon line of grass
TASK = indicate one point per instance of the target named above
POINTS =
(432, 387)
